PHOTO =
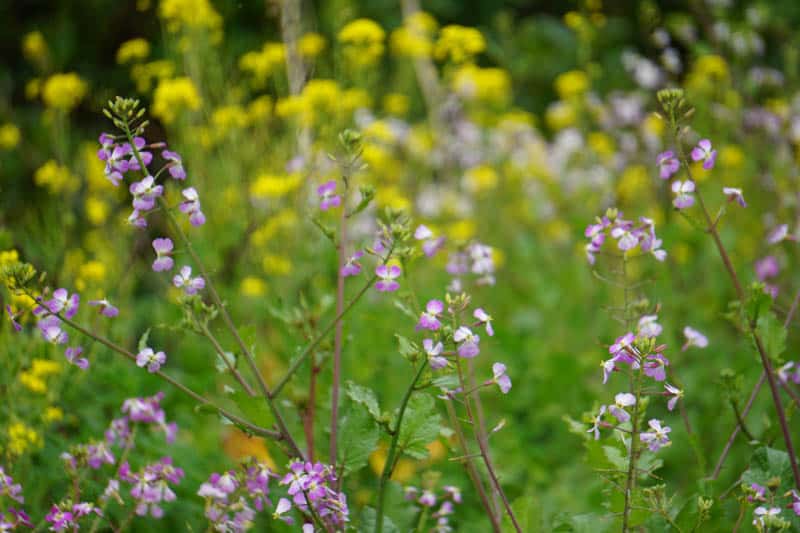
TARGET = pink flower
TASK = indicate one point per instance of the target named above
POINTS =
(328, 196)
(655, 366)
(175, 166)
(683, 193)
(434, 353)
(501, 378)
(352, 267)
(190, 285)
(63, 302)
(703, 152)
(429, 319)
(621, 401)
(145, 193)
(387, 275)
(73, 356)
(191, 206)
(674, 393)
(694, 338)
(485, 319)
(598, 420)
(779, 234)
(468, 346)
(658, 437)
(668, 164)
(734, 195)
(106, 309)
(431, 244)
(163, 248)
(152, 360)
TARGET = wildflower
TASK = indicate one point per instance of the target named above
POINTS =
(795, 505)
(485, 319)
(658, 437)
(608, 367)
(431, 245)
(62, 301)
(427, 499)
(763, 515)
(785, 375)
(767, 268)
(648, 327)
(654, 366)
(703, 152)
(622, 346)
(145, 193)
(648, 242)
(329, 199)
(173, 96)
(151, 486)
(50, 326)
(597, 420)
(352, 267)
(281, 509)
(152, 360)
(668, 164)
(73, 356)
(9, 488)
(683, 193)
(13, 317)
(734, 195)
(454, 493)
(429, 319)
(106, 309)
(163, 248)
(621, 401)
(694, 338)
(675, 394)
(97, 454)
(387, 275)
(755, 493)
(500, 377)
(176, 169)
(184, 279)
(468, 346)
(191, 206)
(779, 234)
(64, 91)
(59, 519)
(434, 351)
(626, 236)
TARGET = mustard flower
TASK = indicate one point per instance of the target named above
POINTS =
(674, 393)
(621, 401)
(500, 377)
(191, 206)
(352, 267)
(485, 319)
(434, 353)
(328, 196)
(175, 167)
(73, 356)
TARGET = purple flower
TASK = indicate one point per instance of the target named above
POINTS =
(190, 285)
(62, 301)
(327, 193)
(163, 248)
(73, 356)
(756, 493)
(626, 236)
(145, 193)
(658, 437)
(767, 268)
(597, 420)
(694, 338)
(621, 401)
(16, 325)
(655, 366)
(734, 195)
(795, 505)
(430, 244)
(352, 267)
(191, 206)
(703, 152)
(485, 319)
(50, 326)
(668, 164)
(98, 454)
(763, 515)
(453, 492)
(106, 309)
(608, 367)
(175, 166)
(9, 488)
(683, 193)
(468, 342)
(137, 220)
(434, 353)
(500, 377)
(152, 360)
(779, 234)
(427, 499)
(648, 327)
(429, 319)
(151, 486)
(59, 520)
(283, 507)
(387, 275)
(674, 393)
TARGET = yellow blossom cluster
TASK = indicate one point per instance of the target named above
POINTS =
(311, 45)
(34, 48)
(267, 185)
(263, 64)
(415, 37)
(459, 44)
(320, 101)
(571, 84)
(363, 42)
(191, 15)
(133, 50)
(484, 85)
(173, 96)
(9, 136)
(35, 378)
(57, 178)
(145, 74)
(22, 438)
(64, 91)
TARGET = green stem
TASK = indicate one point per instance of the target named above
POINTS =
(387, 467)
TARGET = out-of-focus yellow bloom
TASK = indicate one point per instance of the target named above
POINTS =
(145, 74)
(731, 157)
(64, 91)
(480, 179)
(459, 43)
(173, 96)
(22, 438)
(311, 45)
(463, 230)
(191, 15)
(379, 130)
(653, 124)
(252, 287)
(395, 104)
(486, 85)
(415, 37)
(97, 210)
(353, 99)
(134, 50)
(392, 197)
(634, 183)
(90, 273)
(289, 107)
(34, 47)
(560, 115)
(52, 414)
(93, 168)
(274, 186)
(276, 265)
(680, 252)
(228, 118)
(363, 39)
(45, 367)
(9, 136)
(8, 258)
(284, 219)
(22, 302)
(33, 383)
(708, 74)
(264, 63)
(601, 144)
(55, 177)
(571, 84)
(404, 470)
(33, 88)
(259, 109)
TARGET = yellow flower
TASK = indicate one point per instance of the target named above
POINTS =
(731, 157)
(52, 414)
(97, 210)
(274, 186)
(395, 104)
(55, 177)
(34, 47)
(560, 115)
(459, 43)
(133, 50)
(253, 287)
(259, 109)
(144, 74)
(708, 74)
(311, 45)
(264, 63)
(228, 118)
(33, 88)
(93, 270)
(488, 85)
(602, 144)
(64, 91)
(363, 39)
(173, 96)
(9, 136)
(654, 125)
(283, 219)
(8, 257)
(391, 197)
(415, 37)
(481, 178)
(43, 368)
(191, 15)
(463, 230)
(276, 265)
(94, 169)
(22, 438)
(33, 383)
(353, 99)
(634, 182)
(571, 84)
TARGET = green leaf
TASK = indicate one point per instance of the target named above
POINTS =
(768, 463)
(406, 347)
(368, 519)
(364, 396)
(143, 340)
(358, 437)
(254, 408)
(773, 335)
(420, 426)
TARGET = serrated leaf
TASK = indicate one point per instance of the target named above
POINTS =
(363, 396)
(358, 437)
(420, 426)
(773, 335)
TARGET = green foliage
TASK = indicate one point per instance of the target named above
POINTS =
(421, 425)
(359, 434)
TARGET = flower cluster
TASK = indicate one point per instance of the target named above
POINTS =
(427, 499)
(66, 516)
(311, 487)
(628, 235)
(12, 517)
(150, 486)
(477, 259)
(233, 498)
